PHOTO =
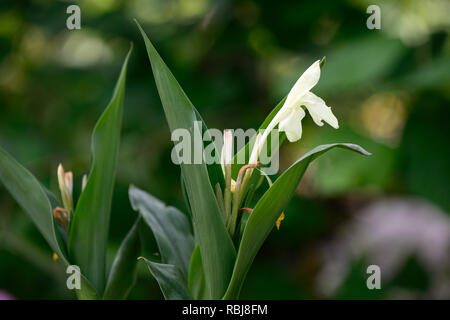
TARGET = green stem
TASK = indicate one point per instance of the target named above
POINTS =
(227, 196)
(239, 192)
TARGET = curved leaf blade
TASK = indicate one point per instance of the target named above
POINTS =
(196, 279)
(216, 247)
(87, 290)
(267, 211)
(214, 169)
(124, 268)
(35, 200)
(90, 225)
(32, 198)
(170, 279)
(170, 227)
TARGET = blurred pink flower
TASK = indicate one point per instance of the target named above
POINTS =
(5, 295)
(387, 232)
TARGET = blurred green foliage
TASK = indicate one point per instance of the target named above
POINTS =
(389, 88)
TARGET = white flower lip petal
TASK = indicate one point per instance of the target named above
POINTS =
(292, 124)
(319, 111)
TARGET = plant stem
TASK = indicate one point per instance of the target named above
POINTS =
(239, 192)
(227, 196)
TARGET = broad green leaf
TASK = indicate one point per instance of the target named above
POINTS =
(32, 198)
(170, 227)
(59, 228)
(170, 279)
(124, 268)
(87, 290)
(267, 211)
(35, 200)
(217, 250)
(90, 225)
(185, 196)
(214, 169)
(149, 246)
(196, 279)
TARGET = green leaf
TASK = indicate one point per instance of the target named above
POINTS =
(196, 279)
(124, 268)
(35, 200)
(90, 225)
(185, 196)
(87, 290)
(32, 198)
(170, 227)
(267, 211)
(214, 169)
(170, 279)
(60, 230)
(216, 247)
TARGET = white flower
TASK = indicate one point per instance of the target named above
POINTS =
(290, 115)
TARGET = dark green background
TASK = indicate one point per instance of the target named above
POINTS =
(389, 88)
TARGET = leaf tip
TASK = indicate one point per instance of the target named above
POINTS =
(358, 148)
(138, 25)
(322, 62)
(364, 151)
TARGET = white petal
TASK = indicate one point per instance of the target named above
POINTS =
(319, 110)
(292, 124)
(306, 82)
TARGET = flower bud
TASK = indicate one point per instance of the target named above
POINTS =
(65, 181)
